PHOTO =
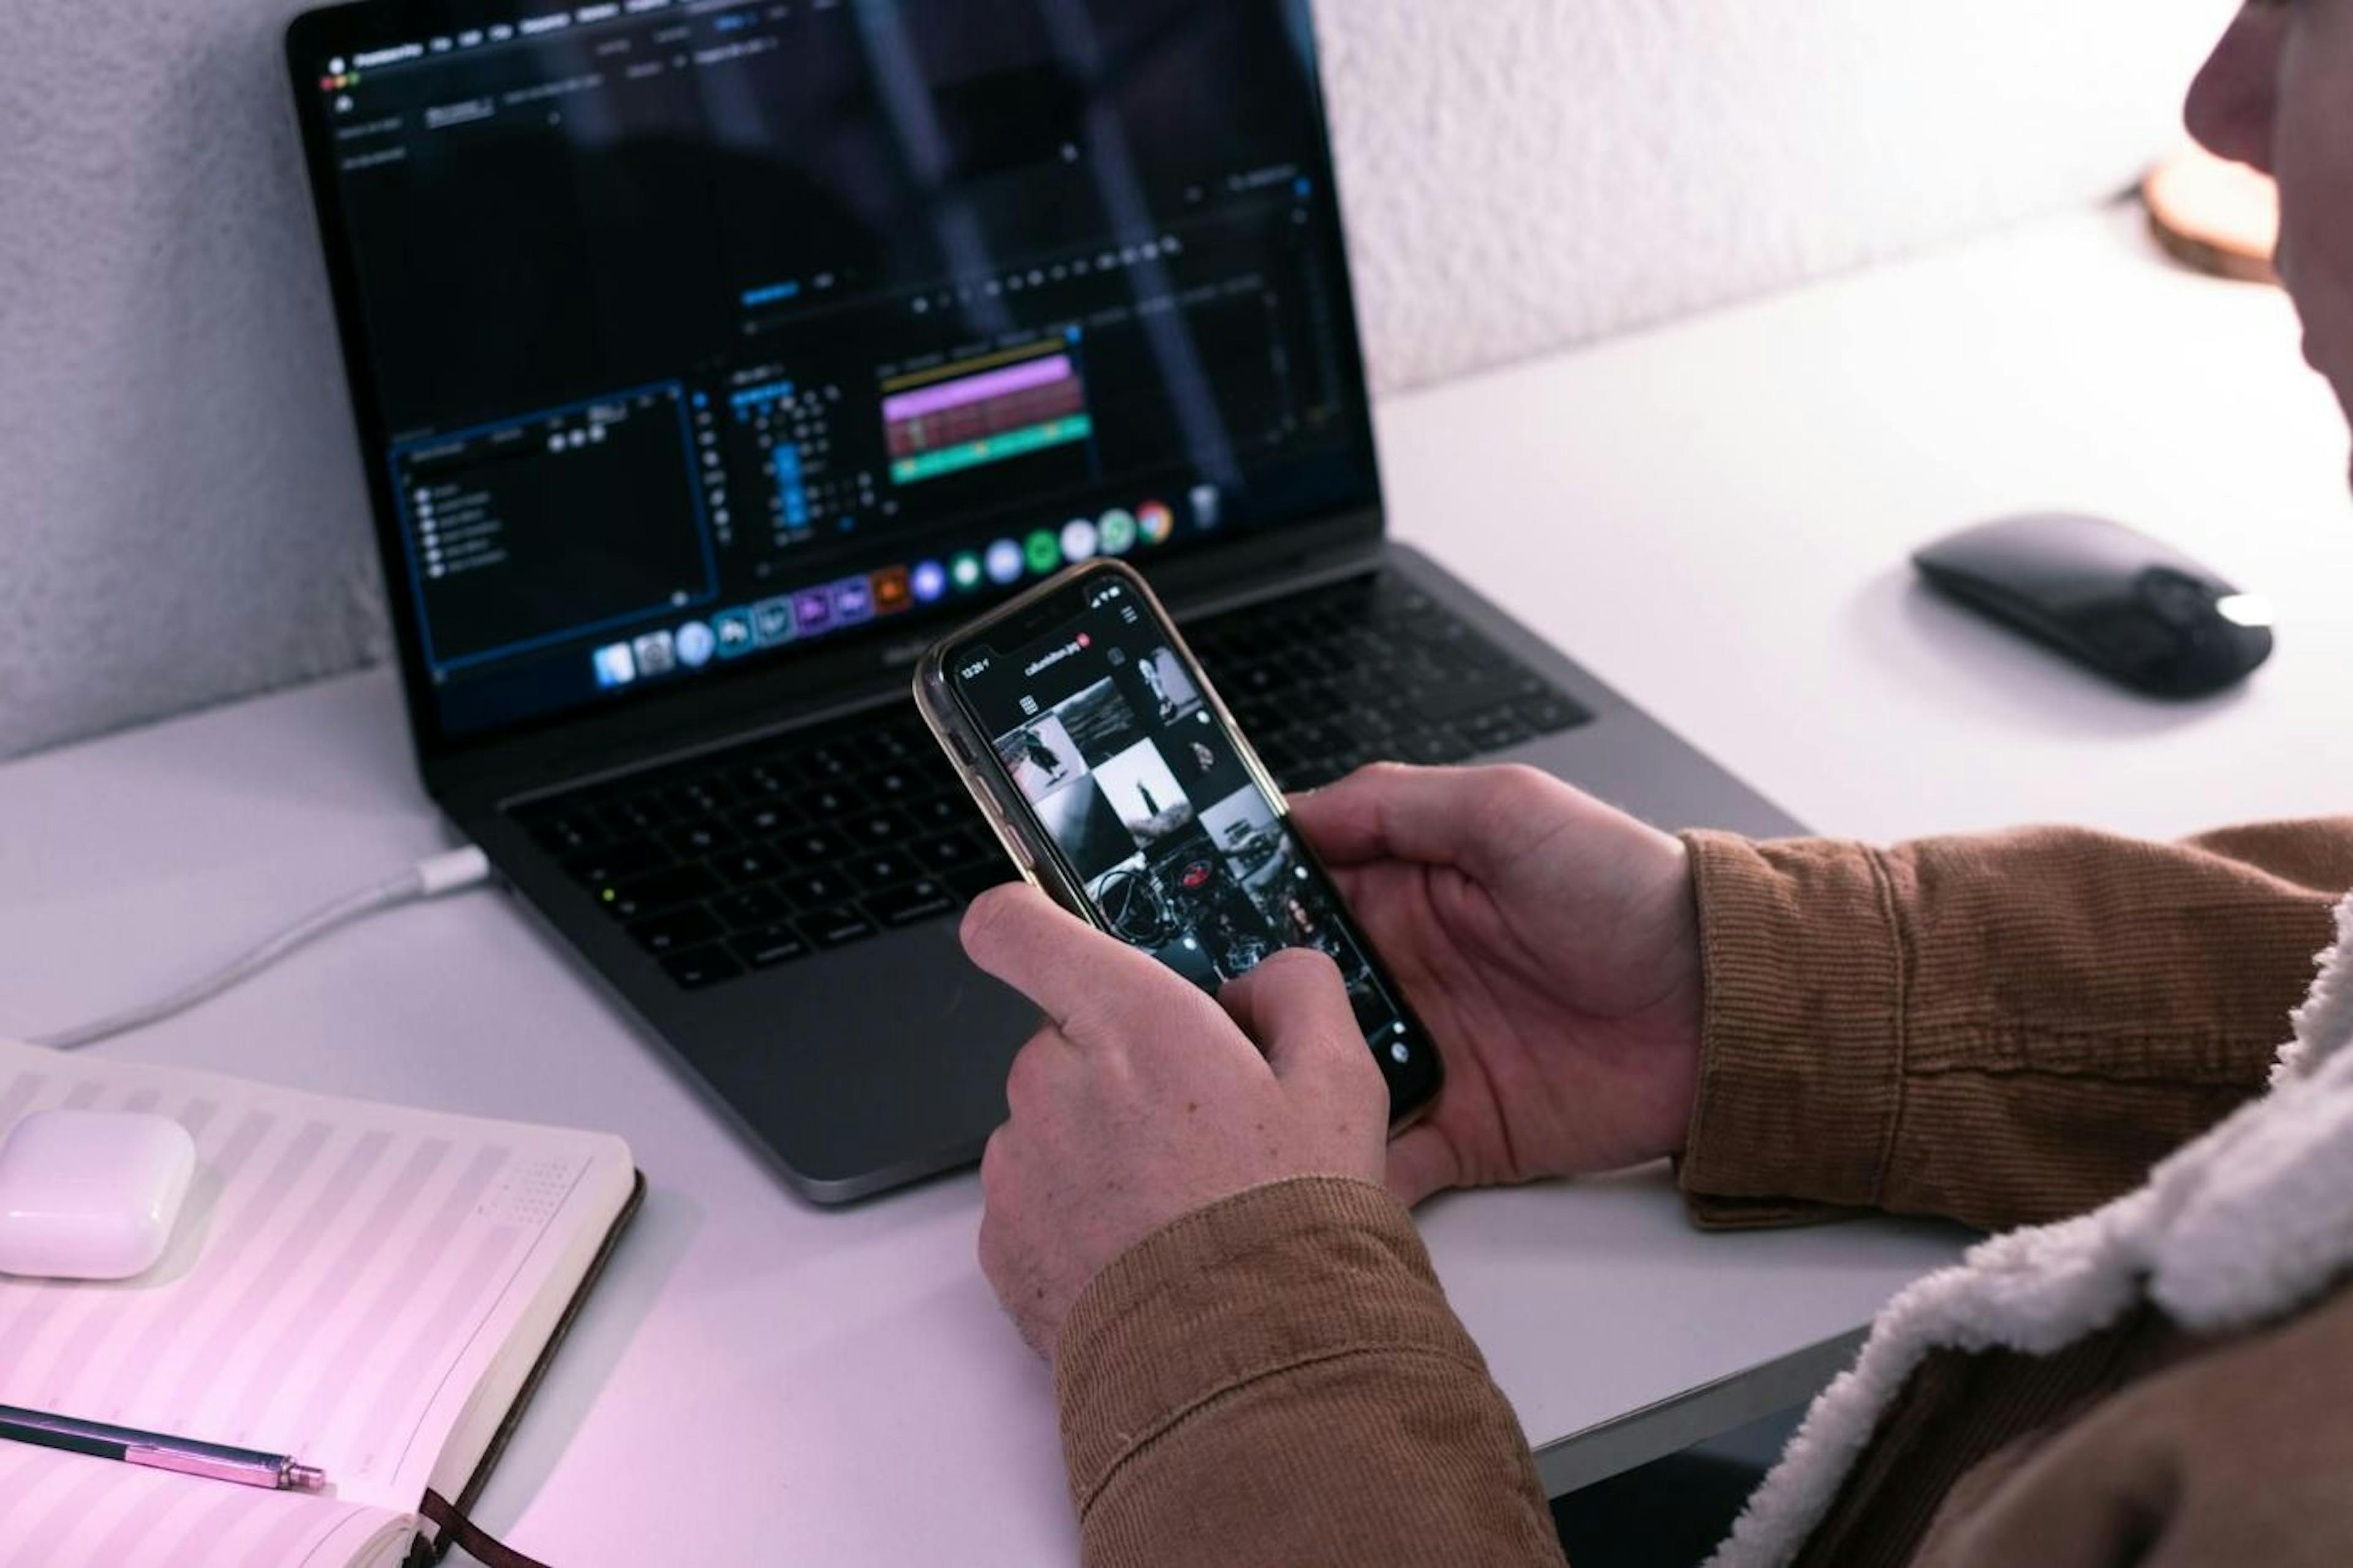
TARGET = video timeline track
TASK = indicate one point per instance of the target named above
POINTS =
(643, 514)
(752, 859)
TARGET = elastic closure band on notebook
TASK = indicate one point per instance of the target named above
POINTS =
(456, 1530)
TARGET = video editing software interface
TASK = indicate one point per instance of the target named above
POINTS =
(1105, 731)
(703, 333)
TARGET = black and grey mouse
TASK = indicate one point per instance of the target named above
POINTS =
(2139, 612)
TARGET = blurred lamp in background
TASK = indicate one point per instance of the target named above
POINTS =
(2217, 217)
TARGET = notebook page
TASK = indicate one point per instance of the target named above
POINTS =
(64, 1511)
(341, 1277)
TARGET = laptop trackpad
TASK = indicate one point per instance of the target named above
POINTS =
(872, 1066)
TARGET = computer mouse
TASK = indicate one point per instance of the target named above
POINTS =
(2138, 612)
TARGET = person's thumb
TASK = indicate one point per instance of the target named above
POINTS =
(1391, 812)
(1422, 1164)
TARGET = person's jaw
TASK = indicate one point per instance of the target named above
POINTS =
(2325, 350)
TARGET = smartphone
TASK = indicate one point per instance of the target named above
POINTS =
(1120, 786)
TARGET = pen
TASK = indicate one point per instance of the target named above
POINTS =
(216, 1461)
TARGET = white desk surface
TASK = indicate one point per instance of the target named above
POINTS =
(1715, 517)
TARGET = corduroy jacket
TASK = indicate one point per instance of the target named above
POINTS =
(2009, 1031)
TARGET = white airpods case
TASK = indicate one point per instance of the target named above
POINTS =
(91, 1195)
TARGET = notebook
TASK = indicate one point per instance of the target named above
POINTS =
(373, 1290)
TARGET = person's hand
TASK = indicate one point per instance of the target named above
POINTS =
(1142, 1100)
(1551, 946)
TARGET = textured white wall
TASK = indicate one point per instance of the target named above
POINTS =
(1522, 174)
(181, 511)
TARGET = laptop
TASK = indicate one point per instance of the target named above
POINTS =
(710, 358)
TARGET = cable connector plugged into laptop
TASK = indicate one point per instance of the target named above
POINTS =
(435, 877)
(452, 873)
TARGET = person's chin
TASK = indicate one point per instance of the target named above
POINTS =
(2339, 375)
(2334, 368)
(2345, 400)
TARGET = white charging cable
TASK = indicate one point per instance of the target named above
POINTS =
(428, 879)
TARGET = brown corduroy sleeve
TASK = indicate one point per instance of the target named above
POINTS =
(1277, 1379)
(2000, 1030)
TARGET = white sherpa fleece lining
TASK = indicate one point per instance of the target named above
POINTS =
(2249, 1223)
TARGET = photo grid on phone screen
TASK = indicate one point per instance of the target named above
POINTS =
(1179, 850)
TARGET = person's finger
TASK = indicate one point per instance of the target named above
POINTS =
(993, 1157)
(1028, 1082)
(1466, 817)
(1070, 970)
(1295, 1005)
(1421, 1163)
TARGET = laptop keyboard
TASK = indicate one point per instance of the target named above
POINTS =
(1370, 670)
(755, 857)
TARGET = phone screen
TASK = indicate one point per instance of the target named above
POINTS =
(1101, 726)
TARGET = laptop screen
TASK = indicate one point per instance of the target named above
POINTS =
(692, 337)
